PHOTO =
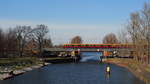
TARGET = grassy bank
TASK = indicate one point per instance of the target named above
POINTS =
(17, 63)
(139, 70)
(11, 64)
(11, 67)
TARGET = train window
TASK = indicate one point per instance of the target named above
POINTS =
(90, 45)
(83, 45)
(72, 45)
(97, 45)
(94, 46)
(101, 46)
(106, 46)
(79, 45)
(109, 46)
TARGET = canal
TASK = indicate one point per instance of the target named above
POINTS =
(88, 71)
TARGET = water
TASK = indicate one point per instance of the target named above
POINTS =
(76, 73)
(90, 56)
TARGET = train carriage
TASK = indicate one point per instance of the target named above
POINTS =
(97, 46)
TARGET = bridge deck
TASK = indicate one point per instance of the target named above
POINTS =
(85, 49)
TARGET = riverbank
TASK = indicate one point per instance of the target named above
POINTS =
(10, 67)
(139, 70)
(16, 66)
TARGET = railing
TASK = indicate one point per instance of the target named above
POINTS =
(97, 46)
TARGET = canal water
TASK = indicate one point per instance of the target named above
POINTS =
(88, 71)
(90, 56)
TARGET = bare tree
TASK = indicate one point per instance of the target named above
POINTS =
(76, 40)
(47, 43)
(139, 30)
(11, 42)
(39, 34)
(7, 43)
(133, 29)
(110, 39)
(11, 39)
(134, 26)
(1, 43)
(22, 34)
(146, 26)
(23, 40)
(123, 36)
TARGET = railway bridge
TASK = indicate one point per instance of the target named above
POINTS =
(106, 49)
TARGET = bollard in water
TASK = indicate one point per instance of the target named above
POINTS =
(107, 74)
(108, 69)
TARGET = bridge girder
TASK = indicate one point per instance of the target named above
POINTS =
(86, 49)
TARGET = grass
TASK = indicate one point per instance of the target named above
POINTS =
(18, 63)
(9, 60)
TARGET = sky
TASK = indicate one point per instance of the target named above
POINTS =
(90, 19)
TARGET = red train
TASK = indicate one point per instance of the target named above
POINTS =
(97, 46)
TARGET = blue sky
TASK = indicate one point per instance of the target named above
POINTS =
(91, 19)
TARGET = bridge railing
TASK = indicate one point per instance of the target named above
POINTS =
(98, 46)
